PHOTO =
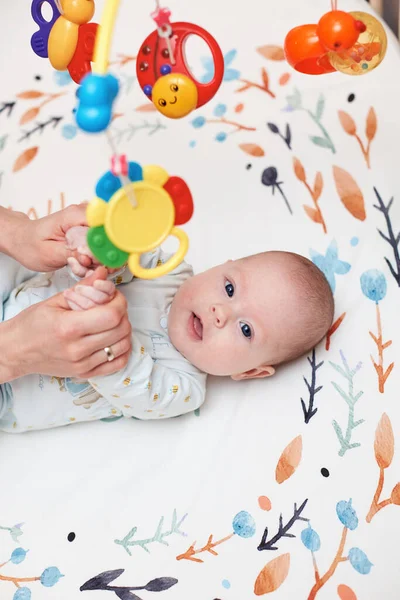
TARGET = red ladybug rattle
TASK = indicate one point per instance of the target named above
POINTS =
(163, 73)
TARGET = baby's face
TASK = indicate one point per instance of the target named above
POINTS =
(232, 319)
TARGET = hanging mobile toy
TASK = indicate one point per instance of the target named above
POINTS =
(120, 232)
(135, 208)
(162, 70)
(68, 38)
(353, 43)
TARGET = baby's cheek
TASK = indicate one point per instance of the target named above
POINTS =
(76, 237)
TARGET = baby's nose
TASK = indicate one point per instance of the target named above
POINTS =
(219, 314)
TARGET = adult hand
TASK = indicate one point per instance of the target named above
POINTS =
(51, 339)
(40, 245)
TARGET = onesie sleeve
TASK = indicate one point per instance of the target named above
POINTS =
(12, 274)
(146, 389)
(153, 389)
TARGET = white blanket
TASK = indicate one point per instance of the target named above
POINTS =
(271, 475)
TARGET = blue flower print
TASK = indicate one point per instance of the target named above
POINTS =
(330, 264)
(359, 561)
(244, 525)
(373, 285)
(62, 78)
(198, 122)
(220, 110)
(18, 556)
(310, 539)
(23, 593)
(229, 73)
(50, 577)
(347, 515)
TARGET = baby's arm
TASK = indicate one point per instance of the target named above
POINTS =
(151, 390)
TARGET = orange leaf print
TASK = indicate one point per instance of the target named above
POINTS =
(239, 108)
(25, 158)
(347, 123)
(346, 593)
(29, 115)
(289, 460)
(313, 213)
(264, 503)
(372, 124)
(349, 192)
(384, 442)
(272, 575)
(318, 185)
(30, 95)
(299, 170)
(283, 79)
(148, 107)
(265, 78)
(271, 52)
(395, 495)
(252, 149)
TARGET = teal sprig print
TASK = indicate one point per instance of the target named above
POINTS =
(159, 535)
(128, 132)
(295, 103)
(351, 398)
(14, 531)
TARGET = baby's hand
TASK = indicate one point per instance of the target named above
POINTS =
(82, 297)
(82, 262)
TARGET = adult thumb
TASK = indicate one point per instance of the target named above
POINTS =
(59, 301)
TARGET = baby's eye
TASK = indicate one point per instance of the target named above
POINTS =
(230, 290)
(174, 87)
(162, 102)
(246, 330)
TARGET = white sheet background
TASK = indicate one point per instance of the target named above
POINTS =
(99, 480)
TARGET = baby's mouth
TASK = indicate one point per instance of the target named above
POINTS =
(196, 327)
(175, 101)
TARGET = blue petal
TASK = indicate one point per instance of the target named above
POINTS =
(341, 267)
(332, 251)
(50, 577)
(207, 77)
(229, 56)
(310, 539)
(207, 62)
(220, 110)
(244, 525)
(18, 556)
(23, 593)
(359, 561)
(107, 186)
(135, 172)
(347, 515)
(373, 285)
(231, 74)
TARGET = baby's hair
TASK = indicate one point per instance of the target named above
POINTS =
(314, 303)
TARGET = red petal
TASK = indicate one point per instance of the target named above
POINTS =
(181, 196)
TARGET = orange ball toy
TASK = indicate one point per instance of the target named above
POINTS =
(338, 30)
(304, 51)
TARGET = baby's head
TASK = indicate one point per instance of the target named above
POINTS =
(245, 317)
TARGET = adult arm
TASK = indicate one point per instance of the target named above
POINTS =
(51, 339)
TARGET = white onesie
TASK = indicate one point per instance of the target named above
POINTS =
(158, 382)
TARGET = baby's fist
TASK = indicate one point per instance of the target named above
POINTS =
(82, 297)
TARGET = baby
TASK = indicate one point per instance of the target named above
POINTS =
(240, 319)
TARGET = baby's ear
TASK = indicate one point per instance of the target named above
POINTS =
(258, 373)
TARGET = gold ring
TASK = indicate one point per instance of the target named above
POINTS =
(109, 353)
